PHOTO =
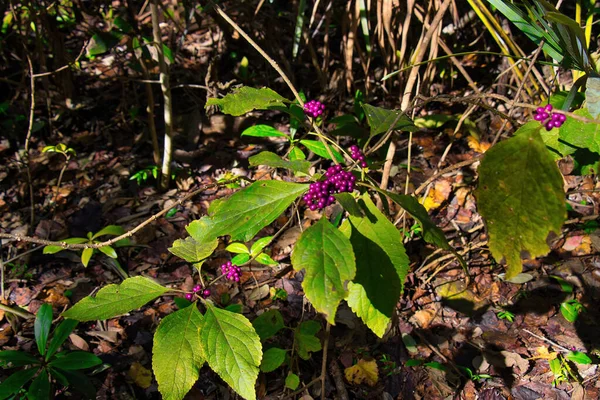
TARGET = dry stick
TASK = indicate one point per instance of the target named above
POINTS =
(27, 140)
(150, 110)
(558, 346)
(445, 171)
(127, 234)
(338, 380)
(324, 363)
(166, 91)
(19, 313)
(422, 45)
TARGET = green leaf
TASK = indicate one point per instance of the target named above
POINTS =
(237, 248)
(80, 382)
(592, 96)
(193, 251)
(265, 259)
(246, 99)
(380, 120)
(109, 251)
(349, 204)
(305, 340)
(114, 300)
(75, 360)
(272, 359)
(268, 324)
(232, 349)
(274, 161)
(15, 381)
(246, 212)
(177, 353)
(292, 381)
(569, 312)
(319, 149)
(431, 233)
(565, 286)
(260, 244)
(61, 333)
(521, 197)
(327, 256)
(578, 357)
(263, 131)
(413, 363)
(18, 358)
(240, 259)
(381, 266)
(42, 325)
(86, 255)
(557, 147)
(297, 154)
(55, 249)
(581, 134)
(114, 230)
(40, 387)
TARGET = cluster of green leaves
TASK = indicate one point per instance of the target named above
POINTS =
(62, 367)
(244, 255)
(507, 315)
(60, 148)
(562, 370)
(92, 238)
(570, 308)
(144, 174)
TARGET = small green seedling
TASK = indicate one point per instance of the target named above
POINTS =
(570, 309)
(86, 255)
(67, 153)
(507, 315)
(473, 376)
(389, 366)
(245, 255)
(50, 366)
(144, 174)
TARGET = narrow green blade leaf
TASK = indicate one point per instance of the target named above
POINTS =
(193, 251)
(86, 255)
(232, 349)
(114, 230)
(305, 339)
(581, 134)
(327, 256)
(240, 259)
(177, 353)
(42, 325)
(579, 357)
(263, 131)
(319, 149)
(381, 119)
(265, 259)
(521, 197)
(15, 381)
(109, 251)
(381, 266)
(114, 300)
(17, 358)
(272, 359)
(268, 324)
(238, 248)
(246, 99)
(55, 249)
(260, 244)
(61, 333)
(75, 360)
(40, 387)
(274, 161)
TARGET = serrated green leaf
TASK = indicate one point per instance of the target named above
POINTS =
(191, 250)
(237, 248)
(431, 233)
(55, 249)
(246, 212)
(114, 230)
(75, 360)
(265, 259)
(40, 387)
(240, 259)
(292, 381)
(521, 197)
(18, 358)
(42, 325)
(15, 381)
(109, 251)
(578, 357)
(61, 333)
(114, 300)
(177, 353)
(268, 324)
(272, 359)
(381, 119)
(581, 134)
(305, 340)
(327, 256)
(246, 99)
(86, 256)
(263, 131)
(260, 244)
(319, 149)
(381, 266)
(232, 349)
(274, 161)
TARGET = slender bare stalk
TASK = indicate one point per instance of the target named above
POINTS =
(150, 111)
(27, 141)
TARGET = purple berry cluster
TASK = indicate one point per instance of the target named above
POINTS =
(231, 272)
(358, 155)
(548, 119)
(314, 108)
(198, 289)
(320, 194)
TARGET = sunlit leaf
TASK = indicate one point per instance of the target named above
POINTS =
(246, 99)
(274, 161)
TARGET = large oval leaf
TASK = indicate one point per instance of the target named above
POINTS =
(113, 300)
(327, 256)
(246, 99)
(520, 195)
(232, 349)
(193, 251)
(273, 160)
(177, 352)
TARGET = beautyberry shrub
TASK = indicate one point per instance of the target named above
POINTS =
(548, 119)
(358, 155)
(231, 271)
(320, 194)
(314, 108)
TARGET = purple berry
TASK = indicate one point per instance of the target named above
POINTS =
(314, 108)
(206, 293)
(188, 296)
(548, 107)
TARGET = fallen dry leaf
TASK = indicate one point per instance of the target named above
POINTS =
(141, 376)
(79, 342)
(437, 195)
(543, 354)
(363, 371)
(475, 144)
(514, 359)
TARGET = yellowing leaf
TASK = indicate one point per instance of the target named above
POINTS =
(437, 195)
(363, 371)
(543, 354)
(475, 144)
(141, 376)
